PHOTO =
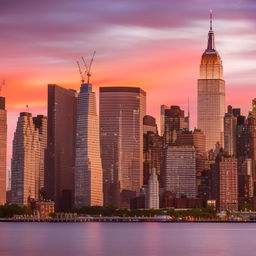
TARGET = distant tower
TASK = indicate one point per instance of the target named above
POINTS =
(152, 148)
(162, 121)
(25, 161)
(40, 123)
(88, 167)
(153, 190)
(60, 164)
(173, 122)
(3, 147)
(230, 127)
(121, 127)
(211, 95)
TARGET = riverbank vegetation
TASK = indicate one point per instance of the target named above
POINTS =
(110, 211)
(8, 211)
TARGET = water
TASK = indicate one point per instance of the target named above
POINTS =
(127, 239)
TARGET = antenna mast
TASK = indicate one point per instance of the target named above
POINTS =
(210, 19)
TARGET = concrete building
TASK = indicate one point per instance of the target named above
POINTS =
(121, 127)
(230, 128)
(162, 118)
(60, 164)
(153, 191)
(40, 123)
(25, 161)
(180, 171)
(152, 149)
(173, 122)
(225, 183)
(3, 149)
(149, 124)
(88, 167)
(197, 139)
(211, 95)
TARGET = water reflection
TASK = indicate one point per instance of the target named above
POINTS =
(126, 239)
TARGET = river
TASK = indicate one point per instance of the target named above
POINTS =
(127, 239)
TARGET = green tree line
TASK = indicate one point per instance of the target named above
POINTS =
(8, 211)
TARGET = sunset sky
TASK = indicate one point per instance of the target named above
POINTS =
(155, 45)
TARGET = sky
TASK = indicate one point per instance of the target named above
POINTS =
(155, 45)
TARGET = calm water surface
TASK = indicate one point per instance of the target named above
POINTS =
(127, 239)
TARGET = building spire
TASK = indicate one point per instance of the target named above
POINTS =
(211, 43)
(210, 19)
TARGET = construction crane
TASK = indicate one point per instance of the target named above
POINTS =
(1, 86)
(89, 68)
(86, 69)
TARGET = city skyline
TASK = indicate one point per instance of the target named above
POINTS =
(142, 57)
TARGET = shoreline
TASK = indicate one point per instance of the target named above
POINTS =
(118, 220)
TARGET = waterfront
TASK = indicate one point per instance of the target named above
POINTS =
(136, 239)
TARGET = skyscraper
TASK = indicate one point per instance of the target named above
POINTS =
(173, 122)
(152, 148)
(230, 126)
(88, 167)
(60, 164)
(40, 123)
(211, 95)
(3, 146)
(121, 126)
(180, 170)
(162, 118)
(25, 161)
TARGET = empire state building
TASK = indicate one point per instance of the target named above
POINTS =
(211, 95)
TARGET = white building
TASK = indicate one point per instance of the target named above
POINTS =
(153, 191)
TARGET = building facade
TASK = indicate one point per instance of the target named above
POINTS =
(3, 149)
(121, 127)
(180, 171)
(60, 162)
(230, 129)
(40, 123)
(152, 149)
(153, 191)
(173, 122)
(88, 167)
(211, 95)
(25, 166)
(225, 183)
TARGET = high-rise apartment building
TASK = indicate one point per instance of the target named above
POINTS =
(60, 164)
(25, 161)
(153, 191)
(121, 127)
(88, 167)
(211, 95)
(3, 148)
(197, 139)
(225, 183)
(40, 123)
(180, 171)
